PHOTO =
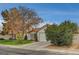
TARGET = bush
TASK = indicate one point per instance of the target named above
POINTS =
(61, 38)
(68, 38)
(59, 35)
(2, 39)
(19, 38)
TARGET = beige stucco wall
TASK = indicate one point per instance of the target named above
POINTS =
(76, 39)
(30, 36)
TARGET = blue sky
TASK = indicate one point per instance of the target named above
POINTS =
(51, 13)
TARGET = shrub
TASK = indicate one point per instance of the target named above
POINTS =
(67, 37)
(2, 39)
(19, 38)
(59, 35)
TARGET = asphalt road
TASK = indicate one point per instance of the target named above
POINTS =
(17, 51)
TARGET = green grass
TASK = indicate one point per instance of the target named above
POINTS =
(15, 42)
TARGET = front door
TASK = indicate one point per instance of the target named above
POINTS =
(35, 37)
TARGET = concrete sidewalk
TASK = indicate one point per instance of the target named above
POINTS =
(71, 51)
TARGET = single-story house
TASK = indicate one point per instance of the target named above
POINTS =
(37, 34)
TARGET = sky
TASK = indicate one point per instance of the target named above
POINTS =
(50, 13)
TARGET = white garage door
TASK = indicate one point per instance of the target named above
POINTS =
(42, 37)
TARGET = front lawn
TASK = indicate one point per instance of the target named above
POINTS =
(15, 42)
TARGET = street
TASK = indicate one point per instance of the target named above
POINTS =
(17, 51)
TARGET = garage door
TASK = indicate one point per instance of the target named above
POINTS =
(42, 37)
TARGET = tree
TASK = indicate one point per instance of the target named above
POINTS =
(20, 20)
(50, 29)
(29, 18)
(69, 25)
(5, 17)
(12, 22)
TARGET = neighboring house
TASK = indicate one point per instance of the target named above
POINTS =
(6, 37)
(37, 34)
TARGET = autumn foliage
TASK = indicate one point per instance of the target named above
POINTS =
(19, 20)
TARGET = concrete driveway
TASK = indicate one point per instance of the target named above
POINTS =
(36, 45)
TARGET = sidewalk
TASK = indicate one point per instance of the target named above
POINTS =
(72, 51)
